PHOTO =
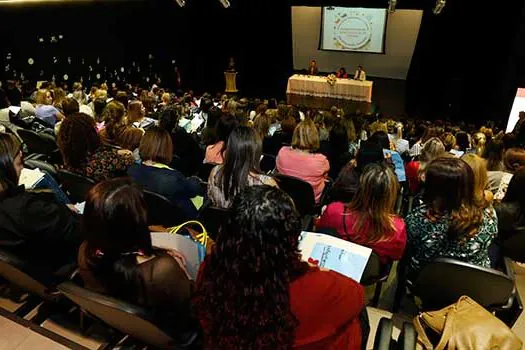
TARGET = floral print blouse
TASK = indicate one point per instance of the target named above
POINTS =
(106, 163)
(427, 239)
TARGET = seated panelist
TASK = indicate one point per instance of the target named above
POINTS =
(360, 74)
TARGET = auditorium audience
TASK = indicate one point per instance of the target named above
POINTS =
(83, 152)
(33, 224)
(369, 218)
(225, 125)
(240, 168)
(255, 292)
(449, 223)
(154, 173)
(301, 161)
(117, 257)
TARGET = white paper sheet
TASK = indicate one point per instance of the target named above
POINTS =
(30, 177)
(345, 257)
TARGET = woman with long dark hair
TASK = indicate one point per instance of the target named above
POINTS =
(254, 292)
(450, 223)
(117, 257)
(240, 168)
(225, 125)
(338, 149)
(369, 219)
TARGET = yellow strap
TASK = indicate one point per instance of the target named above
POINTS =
(202, 238)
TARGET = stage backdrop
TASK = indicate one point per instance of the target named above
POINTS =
(401, 35)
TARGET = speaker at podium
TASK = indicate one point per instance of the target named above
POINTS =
(231, 81)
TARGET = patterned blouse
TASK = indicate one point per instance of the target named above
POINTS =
(427, 239)
(216, 195)
(106, 163)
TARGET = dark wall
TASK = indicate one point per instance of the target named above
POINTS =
(200, 37)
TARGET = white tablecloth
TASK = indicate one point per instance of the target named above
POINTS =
(318, 87)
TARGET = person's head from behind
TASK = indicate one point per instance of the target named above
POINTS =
(11, 162)
(166, 98)
(225, 125)
(432, 149)
(131, 138)
(136, 111)
(462, 141)
(494, 155)
(374, 201)
(339, 139)
(264, 223)
(122, 97)
(369, 152)
(288, 125)
(169, 118)
(514, 159)
(449, 189)
(241, 158)
(479, 168)
(262, 124)
(449, 141)
(306, 136)
(70, 106)
(44, 97)
(99, 105)
(478, 141)
(116, 231)
(77, 139)
(156, 146)
(381, 138)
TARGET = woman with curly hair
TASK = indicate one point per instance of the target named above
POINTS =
(83, 152)
(254, 292)
(451, 223)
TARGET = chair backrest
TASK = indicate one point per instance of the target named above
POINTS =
(514, 247)
(46, 167)
(38, 143)
(374, 271)
(161, 211)
(443, 281)
(301, 192)
(205, 171)
(127, 318)
(29, 278)
(213, 219)
(267, 163)
(76, 185)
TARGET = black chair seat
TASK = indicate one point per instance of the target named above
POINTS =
(301, 192)
(443, 281)
(75, 185)
(130, 319)
(375, 273)
(40, 143)
(161, 211)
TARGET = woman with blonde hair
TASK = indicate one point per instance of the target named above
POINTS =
(301, 161)
(482, 196)
(45, 110)
(369, 218)
(415, 170)
(479, 140)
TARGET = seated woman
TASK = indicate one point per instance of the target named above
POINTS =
(381, 138)
(45, 110)
(301, 162)
(369, 218)
(342, 74)
(225, 126)
(511, 211)
(240, 169)
(282, 137)
(254, 292)
(415, 169)
(114, 123)
(117, 258)
(33, 223)
(136, 117)
(154, 174)
(482, 196)
(338, 149)
(449, 224)
(513, 160)
(83, 152)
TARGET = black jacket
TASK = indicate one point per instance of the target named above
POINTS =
(511, 219)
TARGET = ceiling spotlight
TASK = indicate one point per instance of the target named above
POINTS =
(225, 3)
(181, 3)
(392, 6)
(440, 5)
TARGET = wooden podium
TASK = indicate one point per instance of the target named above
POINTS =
(231, 81)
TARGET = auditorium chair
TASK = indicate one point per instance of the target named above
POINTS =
(75, 185)
(443, 281)
(41, 143)
(46, 167)
(214, 219)
(375, 273)
(514, 247)
(161, 211)
(302, 194)
(135, 321)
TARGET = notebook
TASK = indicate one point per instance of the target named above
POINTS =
(30, 177)
(335, 254)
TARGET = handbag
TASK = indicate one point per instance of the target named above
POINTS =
(465, 325)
